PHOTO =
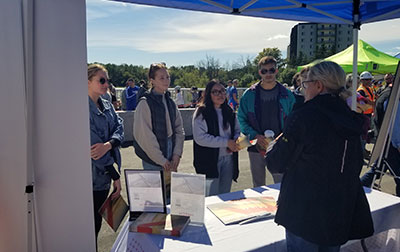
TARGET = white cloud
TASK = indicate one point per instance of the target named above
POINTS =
(187, 31)
(380, 31)
(192, 31)
(97, 9)
(279, 36)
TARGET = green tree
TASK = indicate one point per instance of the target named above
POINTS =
(332, 51)
(120, 73)
(247, 80)
(320, 51)
(210, 66)
(241, 71)
(274, 52)
(286, 75)
(323, 51)
(294, 62)
(193, 78)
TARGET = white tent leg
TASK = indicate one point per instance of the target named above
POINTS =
(27, 22)
(13, 139)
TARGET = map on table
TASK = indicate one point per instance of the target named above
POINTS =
(234, 211)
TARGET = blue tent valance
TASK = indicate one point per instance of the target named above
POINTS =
(318, 11)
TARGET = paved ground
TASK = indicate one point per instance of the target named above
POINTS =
(129, 160)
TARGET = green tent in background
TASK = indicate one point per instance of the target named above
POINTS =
(369, 59)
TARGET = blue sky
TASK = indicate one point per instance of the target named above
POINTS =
(140, 35)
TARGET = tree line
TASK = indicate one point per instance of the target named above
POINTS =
(245, 70)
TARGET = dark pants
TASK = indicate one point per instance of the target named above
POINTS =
(98, 199)
(295, 243)
(394, 161)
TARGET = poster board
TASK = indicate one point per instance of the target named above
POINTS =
(188, 195)
(382, 144)
(146, 192)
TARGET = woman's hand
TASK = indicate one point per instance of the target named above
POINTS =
(167, 166)
(175, 162)
(233, 146)
(117, 189)
(98, 150)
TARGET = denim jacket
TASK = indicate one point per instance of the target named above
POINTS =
(105, 125)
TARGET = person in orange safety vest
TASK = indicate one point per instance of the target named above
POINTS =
(366, 91)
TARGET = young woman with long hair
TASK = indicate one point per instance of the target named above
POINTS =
(215, 129)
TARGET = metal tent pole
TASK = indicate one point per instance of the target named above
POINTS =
(356, 27)
(355, 74)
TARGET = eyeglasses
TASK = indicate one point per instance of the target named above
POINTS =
(103, 81)
(270, 71)
(304, 83)
(218, 92)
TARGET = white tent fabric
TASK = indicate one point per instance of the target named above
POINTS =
(13, 175)
(44, 137)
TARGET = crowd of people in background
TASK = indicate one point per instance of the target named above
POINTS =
(317, 152)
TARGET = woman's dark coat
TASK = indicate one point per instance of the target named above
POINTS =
(321, 197)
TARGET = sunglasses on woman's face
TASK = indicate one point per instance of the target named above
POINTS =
(270, 71)
(103, 81)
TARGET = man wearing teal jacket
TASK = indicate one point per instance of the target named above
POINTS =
(264, 106)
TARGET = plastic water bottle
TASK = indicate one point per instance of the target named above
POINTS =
(269, 135)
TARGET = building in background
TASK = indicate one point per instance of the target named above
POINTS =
(310, 40)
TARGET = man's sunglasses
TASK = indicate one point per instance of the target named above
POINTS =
(103, 81)
(270, 71)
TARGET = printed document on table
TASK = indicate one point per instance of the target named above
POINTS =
(145, 191)
(187, 195)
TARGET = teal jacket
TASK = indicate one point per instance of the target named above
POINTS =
(249, 113)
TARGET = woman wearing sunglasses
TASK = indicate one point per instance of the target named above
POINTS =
(106, 135)
(215, 129)
(322, 204)
(158, 126)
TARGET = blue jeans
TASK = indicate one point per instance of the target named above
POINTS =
(223, 183)
(167, 179)
(148, 166)
(295, 243)
(394, 161)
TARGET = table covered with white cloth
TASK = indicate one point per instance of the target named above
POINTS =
(262, 235)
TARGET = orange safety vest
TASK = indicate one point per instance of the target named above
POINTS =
(370, 96)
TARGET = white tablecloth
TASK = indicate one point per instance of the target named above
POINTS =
(263, 235)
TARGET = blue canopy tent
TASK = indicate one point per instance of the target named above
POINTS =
(320, 11)
(353, 12)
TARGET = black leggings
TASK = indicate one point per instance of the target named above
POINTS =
(98, 199)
